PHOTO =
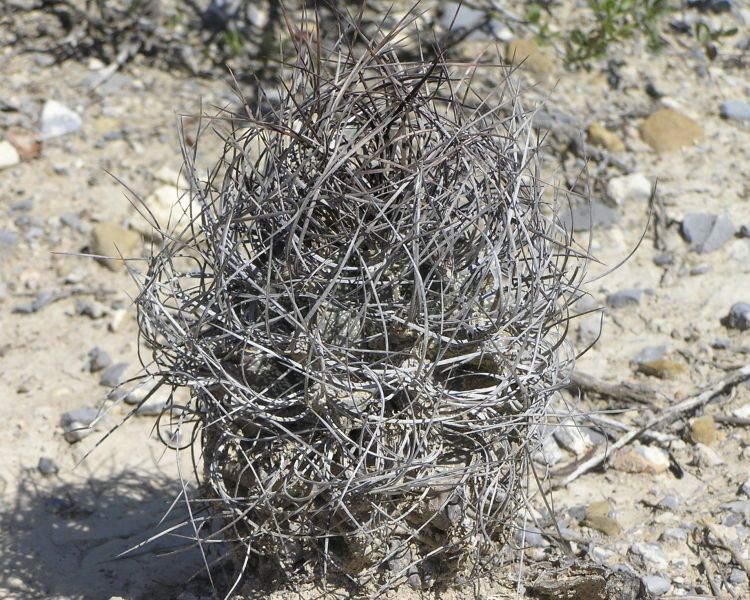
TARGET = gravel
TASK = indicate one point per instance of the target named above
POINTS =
(676, 534)
(649, 353)
(629, 188)
(59, 120)
(656, 584)
(735, 110)
(47, 466)
(594, 215)
(113, 375)
(706, 232)
(669, 502)
(98, 360)
(738, 317)
(651, 554)
(90, 308)
(8, 155)
(623, 298)
(76, 424)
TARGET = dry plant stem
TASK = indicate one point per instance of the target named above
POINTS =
(657, 436)
(730, 420)
(731, 548)
(668, 416)
(617, 391)
(709, 572)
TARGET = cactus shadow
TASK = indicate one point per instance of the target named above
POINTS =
(63, 540)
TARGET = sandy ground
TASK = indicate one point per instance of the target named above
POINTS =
(62, 532)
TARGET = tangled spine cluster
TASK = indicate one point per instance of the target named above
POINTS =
(369, 311)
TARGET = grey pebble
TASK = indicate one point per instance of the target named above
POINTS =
(150, 409)
(71, 220)
(740, 507)
(467, 17)
(25, 308)
(714, 6)
(22, 206)
(738, 317)
(731, 520)
(98, 360)
(76, 424)
(656, 585)
(47, 466)
(622, 298)
(586, 303)
(738, 577)
(700, 270)
(42, 299)
(43, 60)
(589, 329)
(90, 308)
(669, 502)
(34, 233)
(663, 259)
(113, 375)
(8, 238)
(706, 232)
(415, 582)
(736, 110)
(676, 534)
(721, 344)
(649, 353)
(531, 537)
(592, 215)
(577, 513)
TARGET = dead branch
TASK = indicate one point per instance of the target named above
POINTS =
(668, 416)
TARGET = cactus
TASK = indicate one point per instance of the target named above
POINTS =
(368, 303)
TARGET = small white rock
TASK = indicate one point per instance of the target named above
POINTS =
(117, 319)
(571, 437)
(655, 456)
(743, 412)
(602, 555)
(58, 120)
(629, 188)
(549, 453)
(8, 155)
(656, 585)
(652, 554)
(706, 456)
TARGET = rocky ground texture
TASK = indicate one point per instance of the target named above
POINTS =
(647, 452)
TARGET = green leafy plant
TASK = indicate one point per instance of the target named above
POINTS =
(613, 21)
(234, 41)
(533, 17)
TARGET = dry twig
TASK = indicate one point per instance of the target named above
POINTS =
(666, 417)
(637, 394)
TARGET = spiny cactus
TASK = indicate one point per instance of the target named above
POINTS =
(368, 305)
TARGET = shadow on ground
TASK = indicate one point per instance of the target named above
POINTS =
(62, 540)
